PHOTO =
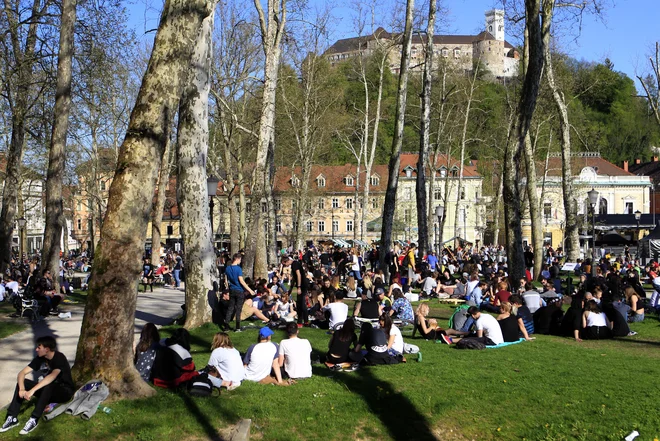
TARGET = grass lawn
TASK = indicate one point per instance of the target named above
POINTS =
(548, 389)
(10, 325)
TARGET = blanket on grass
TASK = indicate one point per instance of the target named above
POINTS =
(508, 343)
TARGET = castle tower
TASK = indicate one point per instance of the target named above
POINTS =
(495, 23)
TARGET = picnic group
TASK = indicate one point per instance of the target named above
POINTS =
(363, 307)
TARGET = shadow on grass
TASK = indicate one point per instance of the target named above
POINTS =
(396, 412)
(203, 420)
(639, 342)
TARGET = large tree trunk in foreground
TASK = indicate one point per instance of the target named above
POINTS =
(56, 156)
(105, 348)
(192, 150)
(272, 29)
(425, 129)
(571, 233)
(515, 145)
(534, 206)
(25, 60)
(397, 141)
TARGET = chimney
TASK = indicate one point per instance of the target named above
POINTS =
(638, 161)
(655, 159)
(625, 165)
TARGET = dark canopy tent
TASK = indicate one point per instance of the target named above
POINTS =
(651, 243)
(612, 238)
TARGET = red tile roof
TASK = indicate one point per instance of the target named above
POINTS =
(602, 166)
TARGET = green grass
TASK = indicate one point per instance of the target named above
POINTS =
(10, 325)
(548, 389)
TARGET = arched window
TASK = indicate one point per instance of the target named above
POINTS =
(602, 206)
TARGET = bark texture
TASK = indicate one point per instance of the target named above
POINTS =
(105, 348)
(571, 233)
(525, 113)
(272, 29)
(192, 153)
(397, 141)
(159, 205)
(425, 129)
(57, 153)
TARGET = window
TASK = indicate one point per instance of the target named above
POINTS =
(445, 53)
(348, 180)
(409, 194)
(629, 207)
(79, 206)
(310, 226)
(454, 172)
(295, 182)
(294, 206)
(102, 185)
(335, 203)
(408, 172)
(457, 53)
(349, 203)
(602, 206)
(335, 226)
(248, 207)
(321, 226)
(374, 203)
(374, 181)
(547, 210)
(170, 230)
(295, 226)
(80, 224)
(278, 204)
(264, 207)
(321, 204)
(349, 226)
(462, 194)
(437, 194)
(443, 172)
(278, 226)
(320, 181)
(406, 216)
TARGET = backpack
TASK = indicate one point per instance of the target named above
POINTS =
(470, 343)
(200, 386)
(406, 261)
(462, 309)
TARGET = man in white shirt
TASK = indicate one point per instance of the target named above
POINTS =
(295, 354)
(338, 311)
(488, 329)
(532, 298)
(261, 357)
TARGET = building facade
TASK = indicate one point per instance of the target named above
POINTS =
(489, 48)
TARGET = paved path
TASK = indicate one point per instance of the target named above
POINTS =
(17, 351)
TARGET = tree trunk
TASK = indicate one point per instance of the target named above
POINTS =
(425, 129)
(159, 206)
(25, 60)
(395, 156)
(534, 205)
(57, 153)
(272, 29)
(496, 211)
(105, 348)
(192, 152)
(571, 233)
(272, 216)
(515, 145)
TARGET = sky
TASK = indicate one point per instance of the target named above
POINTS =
(625, 34)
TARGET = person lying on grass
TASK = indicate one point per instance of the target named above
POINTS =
(262, 359)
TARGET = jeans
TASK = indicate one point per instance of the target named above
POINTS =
(301, 306)
(236, 300)
(356, 274)
(53, 393)
(177, 280)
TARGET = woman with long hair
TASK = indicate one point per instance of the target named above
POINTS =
(227, 361)
(595, 324)
(145, 351)
(340, 344)
(636, 304)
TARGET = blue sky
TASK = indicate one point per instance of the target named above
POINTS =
(625, 35)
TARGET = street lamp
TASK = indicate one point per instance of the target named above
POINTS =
(211, 190)
(21, 227)
(638, 216)
(287, 235)
(593, 200)
(440, 214)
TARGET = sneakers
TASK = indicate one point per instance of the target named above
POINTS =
(446, 339)
(233, 385)
(352, 368)
(10, 423)
(631, 333)
(31, 424)
(237, 330)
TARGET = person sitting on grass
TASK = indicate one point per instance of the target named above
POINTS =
(617, 313)
(488, 329)
(547, 319)
(430, 287)
(174, 365)
(295, 354)
(262, 359)
(227, 362)
(368, 307)
(429, 329)
(636, 304)
(401, 308)
(146, 349)
(375, 342)
(337, 312)
(340, 344)
(51, 383)
(525, 317)
(285, 309)
(595, 325)
(511, 325)
(395, 344)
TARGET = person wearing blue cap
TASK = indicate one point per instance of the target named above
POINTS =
(261, 358)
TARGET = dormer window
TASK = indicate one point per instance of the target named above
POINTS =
(348, 180)
(443, 172)
(374, 181)
(320, 181)
(409, 171)
(295, 182)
